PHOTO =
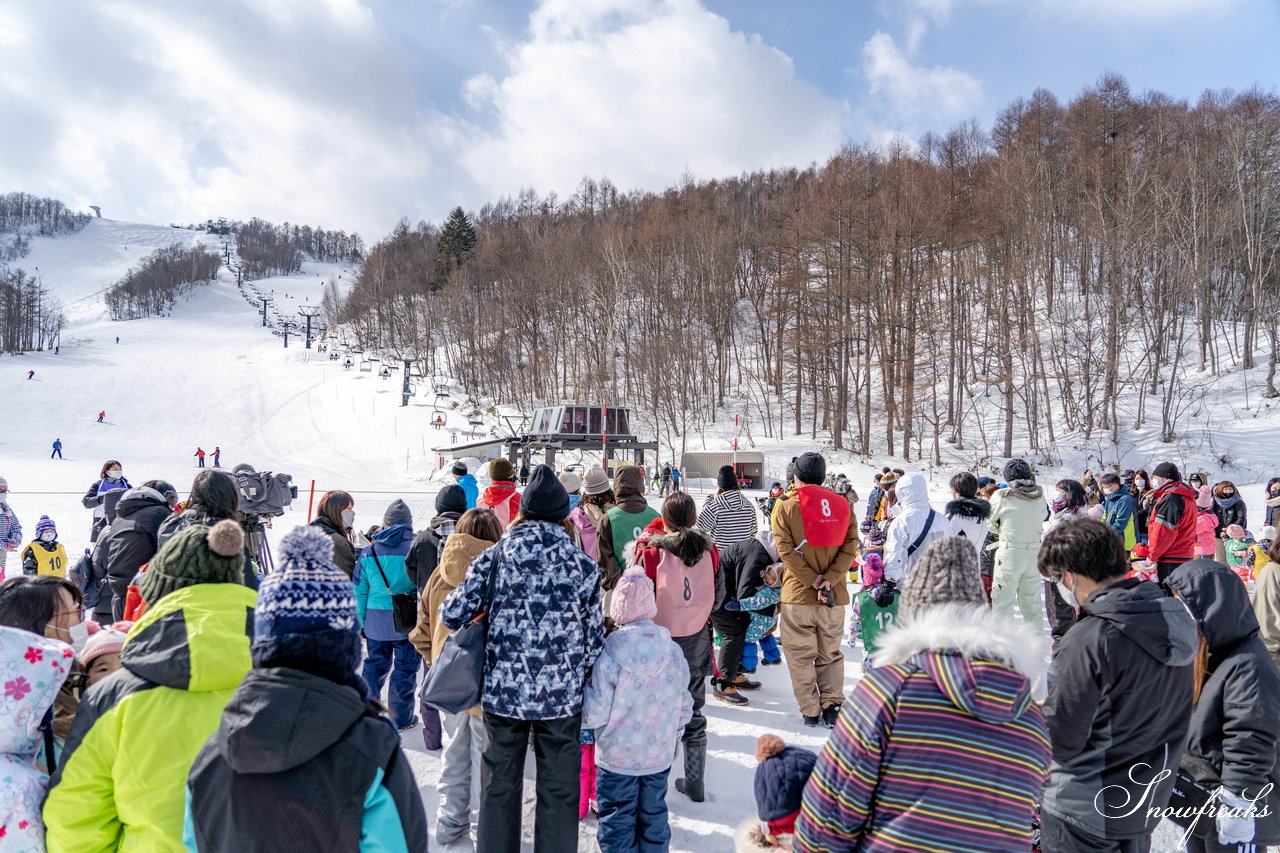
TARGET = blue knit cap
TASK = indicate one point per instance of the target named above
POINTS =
(306, 612)
(46, 523)
(780, 777)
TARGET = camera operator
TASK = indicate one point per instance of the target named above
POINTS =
(214, 497)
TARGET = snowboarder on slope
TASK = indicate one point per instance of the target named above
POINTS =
(101, 416)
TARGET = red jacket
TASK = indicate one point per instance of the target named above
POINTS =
(1171, 528)
(648, 555)
(499, 491)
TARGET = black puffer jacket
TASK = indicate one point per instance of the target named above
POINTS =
(133, 533)
(1230, 511)
(180, 521)
(344, 553)
(1120, 691)
(743, 568)
(292, 743)
(424, 554)
(1232, 741)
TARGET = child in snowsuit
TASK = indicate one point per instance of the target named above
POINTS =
(1206, 525)
(1138, 559)
(638, 703)
(1239, 541)
(101, 654)
(876, 606)
(781, 776)
(36, 668)
(45, 555)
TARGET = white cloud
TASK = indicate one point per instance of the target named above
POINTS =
(915, 93)
(1142, 9)
(640, 90)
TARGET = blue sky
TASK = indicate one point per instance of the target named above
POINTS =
(355, 113)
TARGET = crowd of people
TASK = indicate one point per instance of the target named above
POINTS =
(163, 693)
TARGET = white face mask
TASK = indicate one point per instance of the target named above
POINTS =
(1068, 594)
(78, 634)
(114, 475)
(1140, 484)
(348, 516)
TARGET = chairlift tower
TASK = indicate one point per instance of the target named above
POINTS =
(309, 312)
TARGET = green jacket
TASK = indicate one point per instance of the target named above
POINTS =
(122, 781)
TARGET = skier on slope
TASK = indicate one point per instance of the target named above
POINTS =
(30, 374)
(102, 416)
(57, 448)
(199, 455)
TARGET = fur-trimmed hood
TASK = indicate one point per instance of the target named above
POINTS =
(689, 545)
(977, 633)
(976, 508)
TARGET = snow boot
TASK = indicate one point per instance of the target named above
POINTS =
(695, 764)
(811, 722)
(830, 714)
(744, 683)
(727, 693)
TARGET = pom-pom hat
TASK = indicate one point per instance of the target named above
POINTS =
(780, 780)
(198, 554)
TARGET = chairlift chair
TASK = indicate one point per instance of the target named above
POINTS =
(437, 420)
(366, 366)
(474, 418)
(385, 373)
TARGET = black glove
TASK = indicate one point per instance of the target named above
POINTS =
(885, 593)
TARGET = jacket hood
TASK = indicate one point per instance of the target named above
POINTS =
(281, 718)
(459, 550)
(139, 498)
(195, 638)
(497, 493)
(1156, 623)
(913, 492)
(35, 668)
(987, 665)
(632, 503)
(1027, 490)
(468, 479)
(393, 534)
(969, 508)
(1218, 602)
(632, 647)
(770, 545)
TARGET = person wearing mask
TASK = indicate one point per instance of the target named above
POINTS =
(134, 536)
(10, 528)
(817, 543)
(467, 481)
(623, 524)
(1068, 504)
(1119, 509)
(331, 756)
(1018, 514)
(1171, 527)
(1230, 509)
(914, 526)
(41, 666)
(110, 479)
(45, 555)
(462, 760)
(1144, 496)
(1271, 498)
(573, 486)
(214, 497)
(727, 516)
(424, 553)
(942, 745)
(380, 574)
(181, 664)
(966, 512)
(882, 505)
(684, 565)
(501, 495)
(335, 518)
(536, 666)
(1119, 696)
(1233, 742)
(588, 516)
(50, 607)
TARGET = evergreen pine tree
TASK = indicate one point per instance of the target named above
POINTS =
(457, 240)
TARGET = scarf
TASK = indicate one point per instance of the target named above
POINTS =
(1025, 489)
(1227, 503)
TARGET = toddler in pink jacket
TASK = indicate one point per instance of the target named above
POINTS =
(1206, 525)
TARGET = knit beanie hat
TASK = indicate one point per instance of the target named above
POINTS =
(544, 499)
(1268, 533)
(811, 468)
(501, 471)
(780, 780)
(4, 483)
(633, 598)
(1235, 531)
(1204, 499)
(945, 573)
(872, 569)
(108, 641)
(398, 513)
(727, 479)
(1167, 470)
(628, 481)
(1139, 552)
(459, 469)
(875, 537)
(572, 482)
(983, 482)
(596, 482)
(306, 613)
(45, 523)
(1017, 469)
(452, 498)
(198, 554)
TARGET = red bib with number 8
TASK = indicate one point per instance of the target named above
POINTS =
(825, 516)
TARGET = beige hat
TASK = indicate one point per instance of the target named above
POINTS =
(946, 573)
(596, 482)
(571, 482)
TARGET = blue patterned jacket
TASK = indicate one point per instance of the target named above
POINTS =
(545, 626)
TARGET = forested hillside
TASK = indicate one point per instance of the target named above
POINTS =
(1091, 266)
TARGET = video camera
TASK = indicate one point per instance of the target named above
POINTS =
(264, 493)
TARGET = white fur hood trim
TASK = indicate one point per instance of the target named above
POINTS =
(976, 632)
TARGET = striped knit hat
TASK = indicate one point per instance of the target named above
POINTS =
(946, 572)
(45, 523)
(306, 613)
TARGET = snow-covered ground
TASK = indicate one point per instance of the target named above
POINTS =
(211, 375)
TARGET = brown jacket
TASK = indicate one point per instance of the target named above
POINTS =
(429, 634)
(801, 568)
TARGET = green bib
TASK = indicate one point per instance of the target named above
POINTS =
(626, 527)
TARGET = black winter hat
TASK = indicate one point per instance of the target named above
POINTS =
(544, 498)
(1167, 470)
(452, 498)
(780, 777)
(1017, 469)
(811, 468)
(727, 479)
(459, 469)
